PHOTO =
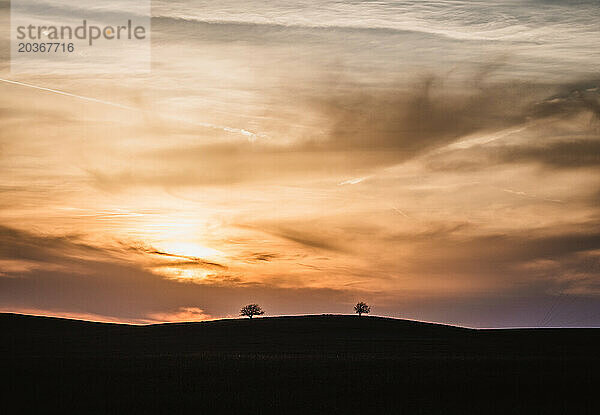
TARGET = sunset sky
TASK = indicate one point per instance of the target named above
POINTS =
(438, 160)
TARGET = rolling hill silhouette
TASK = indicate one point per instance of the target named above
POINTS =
(300, 364)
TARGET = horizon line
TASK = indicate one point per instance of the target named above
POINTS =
(291, 315)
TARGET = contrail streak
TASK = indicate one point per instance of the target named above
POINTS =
(246, 133)
(56, 91)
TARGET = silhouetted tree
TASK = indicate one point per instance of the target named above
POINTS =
(361, 308)
(251, 310)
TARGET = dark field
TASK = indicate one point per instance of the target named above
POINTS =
(295, 365)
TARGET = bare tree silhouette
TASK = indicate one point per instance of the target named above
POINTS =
(361, 308)
(251, 310)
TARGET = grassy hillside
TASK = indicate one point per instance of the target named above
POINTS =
(306, 364)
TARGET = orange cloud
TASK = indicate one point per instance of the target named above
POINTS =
(183, 314)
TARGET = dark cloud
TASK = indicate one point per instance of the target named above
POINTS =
(429, 115)
(557, 154)
(307, 238)
(261, 257)
(522, 247)
(430, 232)
(464, 242)
(571, 99)
(191, 260)
(18, 244)
(567, 137)
(549, 260)
(358, 129)
(563, 154)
